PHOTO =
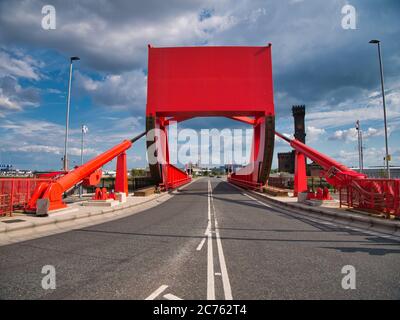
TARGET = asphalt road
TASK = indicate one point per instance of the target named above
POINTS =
(210, 241)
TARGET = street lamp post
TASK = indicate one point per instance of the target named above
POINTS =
(360, 146)
(84, 131)
(387, 157)
(65, 167)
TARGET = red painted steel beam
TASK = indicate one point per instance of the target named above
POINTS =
(300, 175)
(54, 190)
(176, 119)
(247, 120)
(335, 172)
(121, 179)
(210, 81)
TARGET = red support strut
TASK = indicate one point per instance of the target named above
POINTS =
(121, 179)
(300, 177)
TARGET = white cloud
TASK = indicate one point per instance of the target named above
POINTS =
(7, 104)
(372, 157)
(314, 134)
(345, 135)
(126, 90)
(351, 134)
(22, 66)
(14, 98)
(358, 108)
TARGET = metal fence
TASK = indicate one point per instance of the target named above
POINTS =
(134, 183)
(15, 193)
(288, 182)
(379, 195)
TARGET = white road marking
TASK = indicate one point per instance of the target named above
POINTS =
(258, 201)
(210, 257)
(218, 273)
(224, 271)
(170, 296)
(156, 293)
(245, 194)
(201, 244)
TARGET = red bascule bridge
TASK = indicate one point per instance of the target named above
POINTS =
(232, 82)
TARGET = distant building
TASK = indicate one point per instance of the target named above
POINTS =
(286, 159)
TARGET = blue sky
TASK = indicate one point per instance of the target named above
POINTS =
(333, 71)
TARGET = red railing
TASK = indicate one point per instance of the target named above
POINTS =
(15, 193)
(381, 195)
(245, 181)
(174, 177)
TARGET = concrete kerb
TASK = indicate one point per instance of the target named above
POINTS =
(81, 218)
(73, 218)
(346, 218)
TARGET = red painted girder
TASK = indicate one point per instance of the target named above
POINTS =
(210, 81)
(247, 120)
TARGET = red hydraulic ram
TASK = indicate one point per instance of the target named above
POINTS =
(335, 173)
(355, 189)
(50, 193)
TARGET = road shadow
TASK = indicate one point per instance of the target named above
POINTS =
(370, 251)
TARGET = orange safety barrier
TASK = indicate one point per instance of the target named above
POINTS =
(381, 195)
(16, 192)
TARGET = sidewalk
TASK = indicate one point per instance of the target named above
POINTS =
(21, 227)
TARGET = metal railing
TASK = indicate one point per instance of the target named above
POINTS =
(15, 193)
(380, 195)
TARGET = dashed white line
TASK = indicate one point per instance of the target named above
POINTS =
(156, 293)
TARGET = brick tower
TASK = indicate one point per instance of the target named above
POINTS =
(286, 159)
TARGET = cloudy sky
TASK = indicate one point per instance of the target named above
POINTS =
(316, 62)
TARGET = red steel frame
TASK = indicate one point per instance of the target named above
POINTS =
(233, 82)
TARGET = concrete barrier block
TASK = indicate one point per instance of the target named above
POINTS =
(121, 197)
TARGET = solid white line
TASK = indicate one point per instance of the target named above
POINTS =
(170, 296)
(208, 228)
(201, 244)
(222, 262)
(209, 207)
(224, 272)
(258, 201)
(210, 270)
(248, 196)
(210, 257)
(156, 293)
